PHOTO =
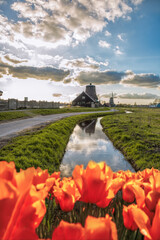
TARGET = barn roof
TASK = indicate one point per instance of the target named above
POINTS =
(84, 93)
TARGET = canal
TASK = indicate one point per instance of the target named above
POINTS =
(89, 142)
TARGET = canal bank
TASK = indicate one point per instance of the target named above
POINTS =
(137, 136)
(44, 148)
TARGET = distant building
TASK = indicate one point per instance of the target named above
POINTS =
(111, 101)
(88, 98)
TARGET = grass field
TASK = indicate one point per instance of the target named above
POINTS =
(5, 116)
(9, 115)
(66, 110)
(44, 148)
(137, 135)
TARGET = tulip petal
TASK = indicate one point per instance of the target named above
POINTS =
(68, 231)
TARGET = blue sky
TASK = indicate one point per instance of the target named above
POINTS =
(49, 50)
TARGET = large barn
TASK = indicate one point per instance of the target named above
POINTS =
(88, 98)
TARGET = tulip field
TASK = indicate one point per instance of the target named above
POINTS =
(94, 204)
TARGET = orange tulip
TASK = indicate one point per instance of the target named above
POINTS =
(125, 175)
(40, 176)
(95, 229)
(132, 190)
(128, 219)
(154, 194)
(148, 229)
(100, 228)
(55, 175)
(68, 231)
(94, 183)
(66, 194)
(7, 171)
(141, 220)
(152, 199)
(21, 206)
(156, 223)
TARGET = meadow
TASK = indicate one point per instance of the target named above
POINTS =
(10, 115)
(137, 135)
(43, 148)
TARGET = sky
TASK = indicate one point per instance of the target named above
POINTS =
(51, 49)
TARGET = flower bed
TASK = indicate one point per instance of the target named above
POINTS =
(95, 203)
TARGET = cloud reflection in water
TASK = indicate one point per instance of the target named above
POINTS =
(88, 142)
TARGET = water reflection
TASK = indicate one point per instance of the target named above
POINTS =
(88, 142)
(88, 126)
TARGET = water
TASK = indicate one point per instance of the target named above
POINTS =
(89, 142)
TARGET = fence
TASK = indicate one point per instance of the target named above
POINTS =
(13, 104)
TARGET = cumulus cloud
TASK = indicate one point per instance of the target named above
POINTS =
(99, 77)
(104, 44)
(24, 72)
(114, 77)
(82, 64)
(138, 96)
(78, 63)
(14, 60)
(61, 22)
(148, 80)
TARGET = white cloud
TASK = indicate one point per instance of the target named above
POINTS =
(107, 34)
(118, 51)
(120, 36)
(136, 2)
(61, 22)
(104, 44)
(82, 64)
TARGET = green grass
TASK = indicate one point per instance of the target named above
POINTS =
(66, 110)
(5, 116)
(9, 115)
(44, 148)
(137, 135)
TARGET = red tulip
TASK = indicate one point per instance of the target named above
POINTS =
(94, 183)
(66, 194)
(21, 206)
(100, 228)
(128, 217)
(68, 231)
